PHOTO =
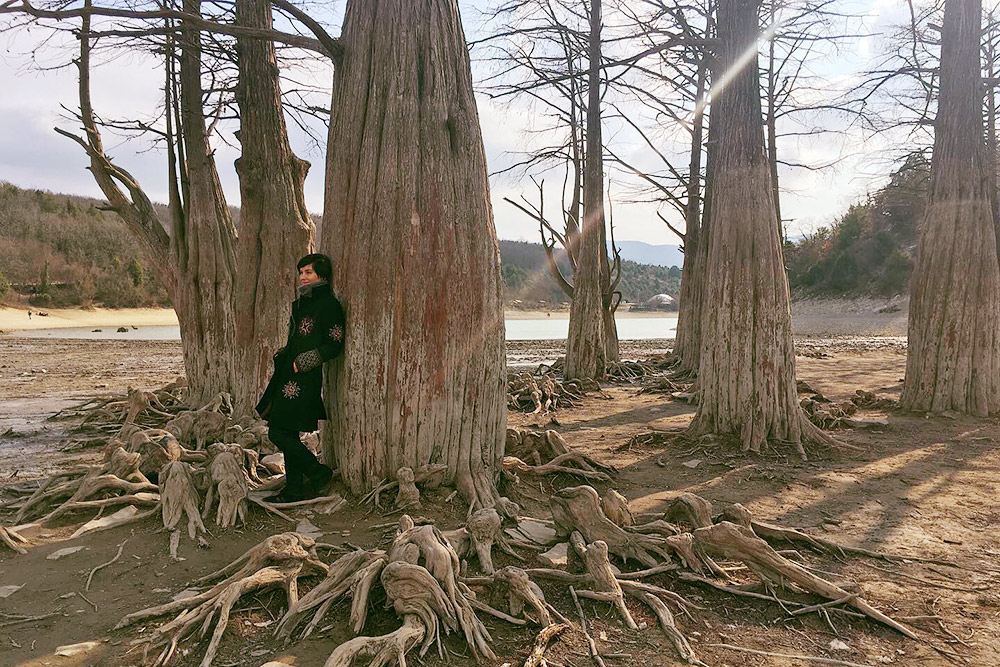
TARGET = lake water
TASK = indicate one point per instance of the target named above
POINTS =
(629, 328)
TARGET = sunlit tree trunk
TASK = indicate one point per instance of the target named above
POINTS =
(586, 355)
(953, 348)
(747, 366)
(409, 225)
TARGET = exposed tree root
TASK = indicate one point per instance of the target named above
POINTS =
(428, 475)
(545, 393)
(179, 497)
(547, 634)
(546, 453)
(13, 539)
(228, 480)
(278, 561)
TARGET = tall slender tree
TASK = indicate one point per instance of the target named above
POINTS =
(586, 354)
(747, 366)
(953, 348)
(409, 224)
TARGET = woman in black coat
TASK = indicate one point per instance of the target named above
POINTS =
(293, 401)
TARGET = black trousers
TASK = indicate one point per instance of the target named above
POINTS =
(299, 461)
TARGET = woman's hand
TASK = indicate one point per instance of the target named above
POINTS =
(295, 367)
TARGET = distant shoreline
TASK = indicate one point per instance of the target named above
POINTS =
(16, 319)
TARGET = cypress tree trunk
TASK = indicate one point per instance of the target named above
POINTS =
(586, 355)
(687, 344)
(275, 228)
(409, 225)
(747, 366)
(953, 350)
(203, 240)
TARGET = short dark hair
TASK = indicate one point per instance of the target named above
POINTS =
(321, 265)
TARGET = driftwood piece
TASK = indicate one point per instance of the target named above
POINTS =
(691, 510)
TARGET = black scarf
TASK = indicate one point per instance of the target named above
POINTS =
(307, 290)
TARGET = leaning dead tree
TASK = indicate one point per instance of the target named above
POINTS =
(747, 369)
(953, 349)
(409, 224)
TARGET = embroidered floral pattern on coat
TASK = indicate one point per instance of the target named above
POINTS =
(291, 389)
(306, 326)
(336, 333)
(308, 360)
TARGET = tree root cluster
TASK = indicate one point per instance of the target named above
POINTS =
(542, 393)
(536, 453)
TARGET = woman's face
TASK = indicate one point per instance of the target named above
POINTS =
(307, 276)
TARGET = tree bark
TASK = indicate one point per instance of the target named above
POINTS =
(747, 366)
(275, 228)
(687, 344)
(953, 350)
(409, 224)
(203, 240)
(586, 355)
(771, 122)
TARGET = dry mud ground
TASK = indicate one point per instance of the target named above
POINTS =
(922, 486)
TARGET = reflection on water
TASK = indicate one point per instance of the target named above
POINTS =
(630, 328)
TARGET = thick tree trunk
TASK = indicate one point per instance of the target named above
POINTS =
(586, 355)
(203, 241)
(953, 351)
(687, 344)
(747, 370)
(409, 224)
(275, 228)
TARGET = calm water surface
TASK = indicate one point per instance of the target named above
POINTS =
(630, 328)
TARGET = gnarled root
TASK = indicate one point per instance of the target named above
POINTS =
(738, 543)
(229, 481)
(179, 497)
(352, 574)
(578, 508)
(547, 634)
(382, 650)
(277, 561)
(523, 591)
(420, 582)
(615, 507)
(427, 475)
(408, 494)
(478, 536)
(13, 539)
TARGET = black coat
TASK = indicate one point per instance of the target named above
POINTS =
(293, 399)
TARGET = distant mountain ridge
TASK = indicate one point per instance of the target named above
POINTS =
(641, 252)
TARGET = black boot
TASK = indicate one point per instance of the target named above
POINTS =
(317, 481)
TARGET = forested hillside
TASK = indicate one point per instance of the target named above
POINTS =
(527, 277)
(871, 249)
(63, 250)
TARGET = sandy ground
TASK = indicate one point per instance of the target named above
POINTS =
(16, 319)
(919, 486)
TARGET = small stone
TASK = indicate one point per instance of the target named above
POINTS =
(71, 650)
(693, 463)
(837, 645)
(557, 556)
(7, 591)
(56, 555)
(308, 528)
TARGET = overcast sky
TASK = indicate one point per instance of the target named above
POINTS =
(32, 155)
